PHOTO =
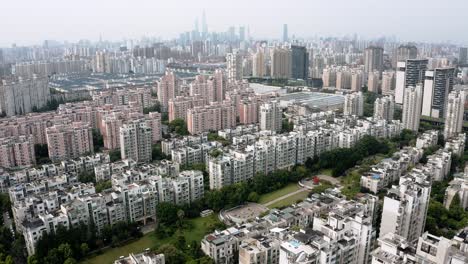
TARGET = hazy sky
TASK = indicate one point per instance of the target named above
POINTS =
(31, 21)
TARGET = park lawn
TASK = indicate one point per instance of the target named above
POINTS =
(351, 184)
(200, 227)
(112, 254)
(197, 228)
(289, 200)
(267, 197)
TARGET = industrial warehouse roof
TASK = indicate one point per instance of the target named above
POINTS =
(312, 99)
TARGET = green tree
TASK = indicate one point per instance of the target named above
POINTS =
(66, 250)
(172, 254)
(286, 126)
(179, 126)
(253, 197)
(103, 185)
(70, 261)
(115, 155)
(156, 152)
(98, 140)
(154, 108)
(33, 259)
(166, 212)
(84, 249)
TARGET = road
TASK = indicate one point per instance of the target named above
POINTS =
(286, 196)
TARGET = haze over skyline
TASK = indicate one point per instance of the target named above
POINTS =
(416, 20)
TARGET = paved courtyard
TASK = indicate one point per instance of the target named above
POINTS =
(243, 213)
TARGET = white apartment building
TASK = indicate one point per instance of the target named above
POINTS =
(384, 108)
(135, 141)
(412, 104)
(454, 114)
(271, 116)
(405, 208)
(354, 104)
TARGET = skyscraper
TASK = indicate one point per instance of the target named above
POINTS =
(437, 85)
(412, 107)
(373, 59)
(285, 33)
(241, 33)
(463, 55)
(281, 63)
(258, 64)
(454, 114)
(234, 66)
(409, 73)
(204, 26)
(167, 89)
(300, 62)
(405, 52)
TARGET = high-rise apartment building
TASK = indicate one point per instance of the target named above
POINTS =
(354, 104)
(356, 81)
(412, 105)
(388, 82)
(300, 62)
(373, 59)
(463, 55)
(17, 152)
(258, 64)
(384, 108)
(234, 66)
(271, 116)
(437, 85)
(373, 82)
(285, 33)
(213, 117)
(179, 106)
(167, 89)
(343, 80)
(69, 141)
(216, 85)
(405, 208)
(281, 63)
(135, 141)
(409, 73)
(406, 52)
(454, 114)
(329, 77)
(248, 111)
(19, 96)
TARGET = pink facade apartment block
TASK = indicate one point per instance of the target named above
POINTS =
(17, 152)
(213, 117)
(69, 141)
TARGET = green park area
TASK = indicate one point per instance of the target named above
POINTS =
(268, 197)
(193, 231)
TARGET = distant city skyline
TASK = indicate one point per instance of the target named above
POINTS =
(30, 22)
